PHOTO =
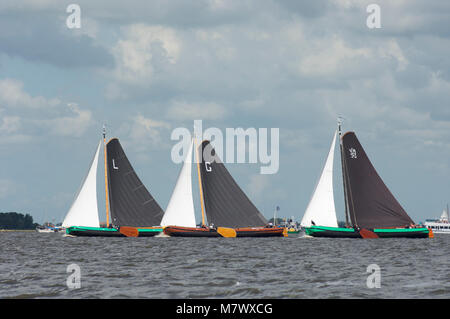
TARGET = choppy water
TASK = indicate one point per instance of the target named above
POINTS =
(34, 265)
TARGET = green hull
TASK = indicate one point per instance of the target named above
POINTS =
(108, 232)
(337, 232)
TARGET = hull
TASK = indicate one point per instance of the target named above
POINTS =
(336, 232)
(80, 231)
(177, 231)
(261, 232)
(438, 227)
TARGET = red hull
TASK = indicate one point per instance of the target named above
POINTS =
(177, 231)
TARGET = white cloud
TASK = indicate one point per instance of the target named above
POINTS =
(74, 125)
(25, 117)
(13, 95)
(9, 124)
(144, 129)
(329, 56)
(142, 134)
(182, 110)
(135, 51)
(391, 49)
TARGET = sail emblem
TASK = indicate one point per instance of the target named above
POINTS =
(352, 153)
(208, 166)
(114, 164)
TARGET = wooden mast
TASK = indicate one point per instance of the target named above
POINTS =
(347, 224)
(106, 178)
(199, 180)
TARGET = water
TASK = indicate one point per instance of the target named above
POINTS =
(34, 265)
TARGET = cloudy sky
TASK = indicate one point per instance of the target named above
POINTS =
(147, 67)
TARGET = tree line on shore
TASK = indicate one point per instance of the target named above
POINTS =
(13, 220)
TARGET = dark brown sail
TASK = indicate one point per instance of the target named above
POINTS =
(131, 203)
(370, 203)
(226, 204)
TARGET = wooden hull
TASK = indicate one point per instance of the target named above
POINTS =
(336, 232)
(261, 232)
(177, 231)
(80, 231)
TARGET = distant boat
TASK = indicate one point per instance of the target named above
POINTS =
(441, 225)
(371, 209)
(49, 229)
(226, 210)
(130, 209)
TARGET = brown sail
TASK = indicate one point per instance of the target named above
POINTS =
(130, 202)
(370, 203)
(226, 204)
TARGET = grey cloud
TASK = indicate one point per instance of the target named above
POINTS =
(45, 38)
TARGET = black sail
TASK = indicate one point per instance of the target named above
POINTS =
(225, 203)
(131, 204)
(370, 203)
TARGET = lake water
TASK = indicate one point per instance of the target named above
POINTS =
(35, 265)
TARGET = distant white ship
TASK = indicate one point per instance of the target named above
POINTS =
(441, 225)
(49, 229)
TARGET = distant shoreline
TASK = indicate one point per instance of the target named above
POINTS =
(21, 230)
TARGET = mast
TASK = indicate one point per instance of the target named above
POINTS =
(275, 215)
(199, 181)
(106, 177)
(344, 173)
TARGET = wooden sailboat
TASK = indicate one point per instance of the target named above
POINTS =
(130, 208)
(371, 209)
(226, 210)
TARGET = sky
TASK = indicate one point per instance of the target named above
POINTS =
(145, 68)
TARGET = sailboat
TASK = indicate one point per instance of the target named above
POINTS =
(226, 209)
(441, 225)
(370, 208)
(130, 208)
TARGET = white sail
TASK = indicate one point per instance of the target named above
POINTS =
(180, 210)
(84, 210)
(444, 215)
(321, 210)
